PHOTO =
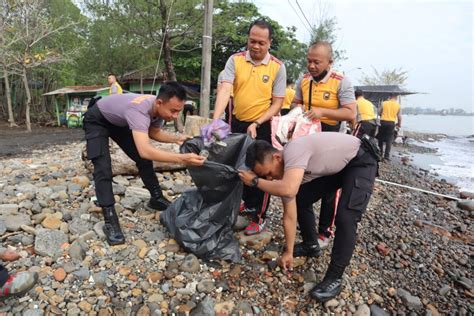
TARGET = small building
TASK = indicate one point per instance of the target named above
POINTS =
(378, 94)
(71, 102)
(143, 81)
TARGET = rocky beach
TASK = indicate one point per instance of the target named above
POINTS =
(413, 255)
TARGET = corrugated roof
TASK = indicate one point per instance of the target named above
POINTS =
(77, 89)
(146, 73)
(385, 89)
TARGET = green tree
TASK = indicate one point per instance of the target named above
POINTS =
(146, 28)
(325, 30)
(397, 76)
(7, 39)
(32, 29)
(231, 22)
(293, 53)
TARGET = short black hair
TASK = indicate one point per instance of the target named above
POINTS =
(262, 23)
(289, 81)
(171, 89)
(258, 151)
(111, 74)
(358, 93)
(325, 44)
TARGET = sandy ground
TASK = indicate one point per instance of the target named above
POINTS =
(17, 141)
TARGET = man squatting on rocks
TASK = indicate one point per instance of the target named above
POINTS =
(131, 120)
(307, 169)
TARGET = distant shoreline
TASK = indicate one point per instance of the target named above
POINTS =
(439, 114)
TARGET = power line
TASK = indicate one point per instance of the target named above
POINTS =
(161, 48)
(302, 12)
(299, 17)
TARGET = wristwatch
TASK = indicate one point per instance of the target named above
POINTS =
(254, 182)
(257, 123)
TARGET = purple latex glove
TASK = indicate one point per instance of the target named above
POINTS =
(217, 130)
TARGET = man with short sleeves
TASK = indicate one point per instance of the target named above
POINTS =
(390, 116)
(366, 116)
(326, 95)
(307, 169)
(114, 87)
(258, 82)
(131, 120)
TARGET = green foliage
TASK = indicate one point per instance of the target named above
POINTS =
(293, 54)
(326, 31)
(130, 32)
(231, 22)
(396, 76)
(97, 37)
(72, 40)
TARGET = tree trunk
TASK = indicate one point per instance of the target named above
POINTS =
(167, 58)
(28, 100)
(11, 117)
(169, 69)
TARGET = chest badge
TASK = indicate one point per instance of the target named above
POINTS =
(265, 78)
(326, 95)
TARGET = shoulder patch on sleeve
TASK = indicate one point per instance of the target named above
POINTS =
(337, 76)
(273, 58)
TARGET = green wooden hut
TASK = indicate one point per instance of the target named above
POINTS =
(71, 102)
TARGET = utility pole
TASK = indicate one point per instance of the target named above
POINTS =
(206, 58)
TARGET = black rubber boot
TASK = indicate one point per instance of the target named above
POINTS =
(157, 202)
(112, 229)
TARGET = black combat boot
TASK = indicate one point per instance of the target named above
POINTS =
(112, 229)
(157, 201)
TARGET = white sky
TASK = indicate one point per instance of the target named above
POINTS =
(431, 39)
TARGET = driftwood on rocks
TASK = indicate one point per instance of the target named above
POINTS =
(123, 165)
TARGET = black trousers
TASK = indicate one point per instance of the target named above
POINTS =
(3, 275)
(328, 202)
(356, 181)
(284, 111)
(97, 132)
(385, 135)
(253, 197)
(365, 127)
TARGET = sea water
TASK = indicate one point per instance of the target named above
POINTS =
(455, 157)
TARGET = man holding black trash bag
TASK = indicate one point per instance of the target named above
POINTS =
(258, 82)
(307, 169)
(131, 120)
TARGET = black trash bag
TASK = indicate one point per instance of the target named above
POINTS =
(201, 220)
